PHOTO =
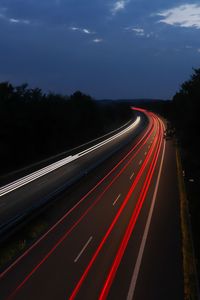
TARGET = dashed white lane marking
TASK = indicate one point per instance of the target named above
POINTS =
(140, 162)
(144, 238)
(145, 153)
(132, 175)
(83, 249)
(116, 199)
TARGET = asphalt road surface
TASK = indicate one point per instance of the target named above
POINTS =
(21, 197)
(120, 241)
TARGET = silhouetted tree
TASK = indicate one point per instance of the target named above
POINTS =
(186, 109)
(34, 125)
(6, 91)
(187, 119)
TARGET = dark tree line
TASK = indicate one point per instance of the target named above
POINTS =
(186, 112)
(35, 125)
(183, 112)
(186, 116)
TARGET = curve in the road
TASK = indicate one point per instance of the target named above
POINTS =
(152, 154)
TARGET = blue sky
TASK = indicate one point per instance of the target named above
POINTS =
(107, 48)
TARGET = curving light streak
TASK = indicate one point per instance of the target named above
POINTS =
(150, 155)
(133, 220)
(60, 241)
(142, 141)
(37, 174)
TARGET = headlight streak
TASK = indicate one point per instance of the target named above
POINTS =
(12, 295)
(37, 174)
(141, 142)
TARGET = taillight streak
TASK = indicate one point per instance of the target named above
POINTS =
(131, 225)
(83, 215)
(140, 173)
(142, 141)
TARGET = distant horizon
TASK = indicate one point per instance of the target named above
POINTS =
(89, 94)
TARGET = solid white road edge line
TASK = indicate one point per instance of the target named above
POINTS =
(144, 239)
(116, 199)
(83, 249)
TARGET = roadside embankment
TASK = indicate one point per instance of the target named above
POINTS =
(189, 266)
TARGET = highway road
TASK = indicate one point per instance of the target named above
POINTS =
(121, 240)
(25, 195)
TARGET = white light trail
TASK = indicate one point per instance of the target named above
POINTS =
(37, 174)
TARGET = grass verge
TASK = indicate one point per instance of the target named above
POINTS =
(189, 266)
(17, 244)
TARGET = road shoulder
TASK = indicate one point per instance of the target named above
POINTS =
(189, 266)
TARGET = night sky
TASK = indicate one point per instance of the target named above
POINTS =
(106, 48)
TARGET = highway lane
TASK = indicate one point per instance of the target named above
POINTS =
(17, 198)
(89, 239)
(72, 217)
(160, 273)
(113, 242)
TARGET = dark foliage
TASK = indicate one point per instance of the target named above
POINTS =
(187, 120)
(34, 125)
(186, 111)
(183, 114)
